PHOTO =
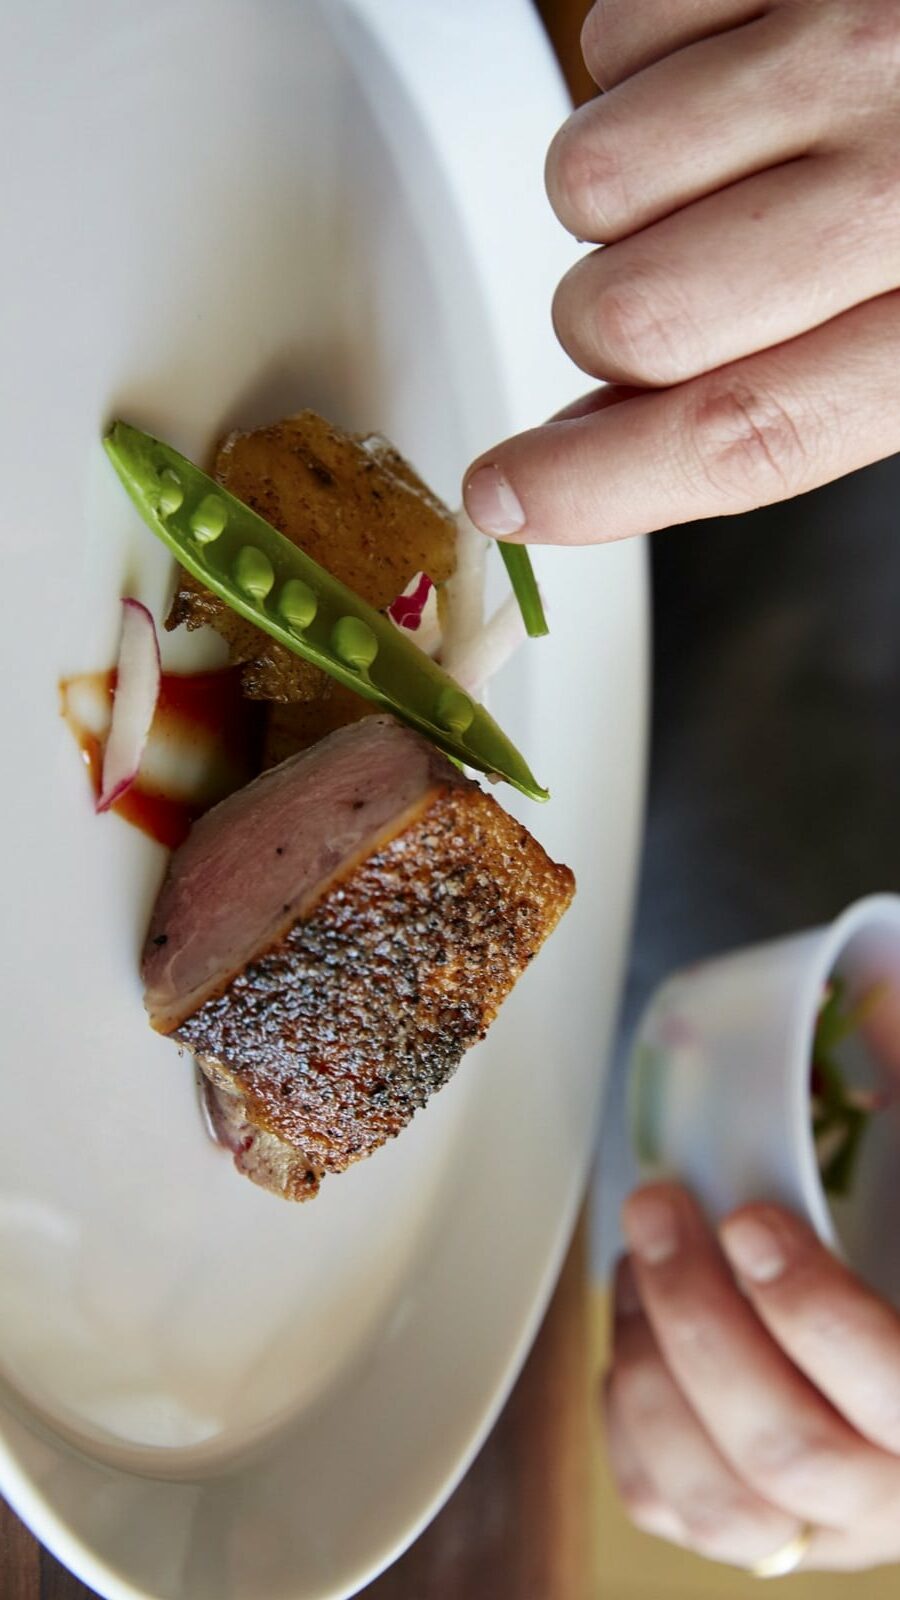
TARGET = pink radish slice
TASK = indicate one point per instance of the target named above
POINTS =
(415, 611)
(134, 702)
(406, 611)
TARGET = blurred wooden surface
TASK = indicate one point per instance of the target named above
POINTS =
(521, 1525)
(20, 1561)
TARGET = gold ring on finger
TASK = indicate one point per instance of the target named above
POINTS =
(787, 1557)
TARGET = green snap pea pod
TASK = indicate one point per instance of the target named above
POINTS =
(262, 575)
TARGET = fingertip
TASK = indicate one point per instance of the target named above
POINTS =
(514, 493)
(551, 164)
(491, 500)
(766, 1214)
(651, 1223)
(580, 480)
(658, 1189)
(754, 1242)
(591, 42)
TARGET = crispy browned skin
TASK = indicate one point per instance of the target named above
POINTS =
(337, 1035)
(353, 504)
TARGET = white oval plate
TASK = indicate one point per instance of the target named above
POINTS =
(216, 212)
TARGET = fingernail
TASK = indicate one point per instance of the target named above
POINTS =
(628, 1301)
(651, 1228)
(753, 1249)
(492, 502)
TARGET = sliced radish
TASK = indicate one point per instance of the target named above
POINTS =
(462, 611)
(477, 661)
(408, 607)
(134, 702)
(415, 611)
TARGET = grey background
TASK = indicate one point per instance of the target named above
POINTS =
(774, 792)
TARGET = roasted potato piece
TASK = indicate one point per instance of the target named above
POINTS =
(353, 504)
(297, 724)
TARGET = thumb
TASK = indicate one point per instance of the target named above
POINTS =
(759, 430)
(583, 477)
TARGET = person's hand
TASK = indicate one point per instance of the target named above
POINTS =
(743, 173)
(738, 1413)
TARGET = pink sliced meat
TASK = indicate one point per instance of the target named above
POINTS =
(258, 861)
(330, 941)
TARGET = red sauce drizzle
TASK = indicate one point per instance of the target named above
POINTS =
(210, 703)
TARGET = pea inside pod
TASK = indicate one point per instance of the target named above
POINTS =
(262, 575)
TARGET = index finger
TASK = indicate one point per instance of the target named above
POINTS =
(838, 1332)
